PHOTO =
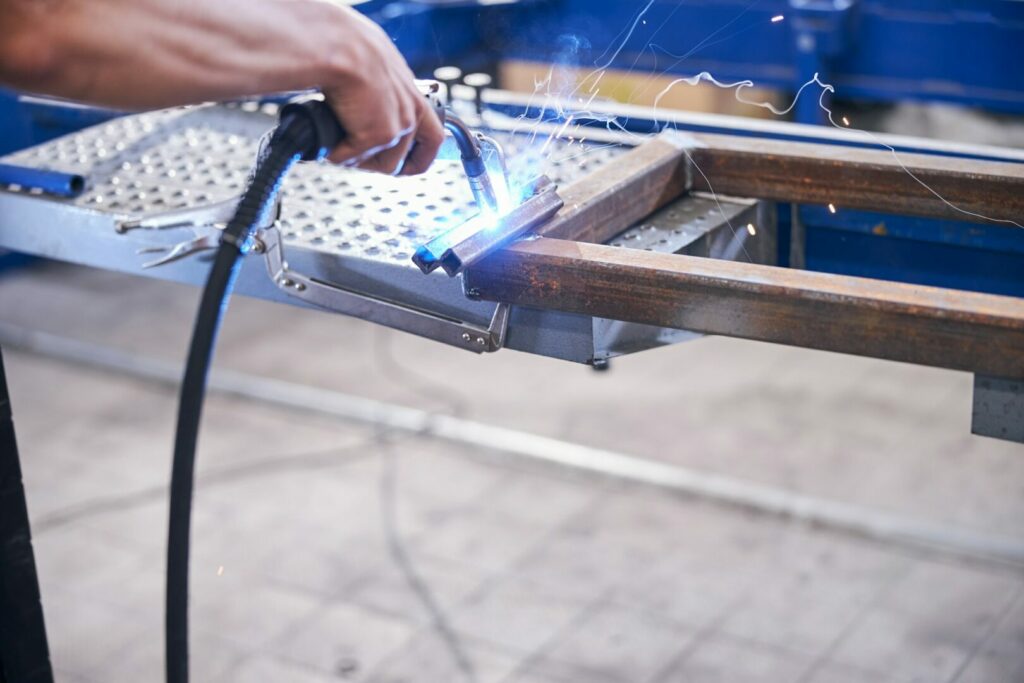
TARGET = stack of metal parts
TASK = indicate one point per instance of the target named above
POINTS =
(152, 178)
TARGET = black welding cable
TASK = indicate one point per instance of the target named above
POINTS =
(306, 131)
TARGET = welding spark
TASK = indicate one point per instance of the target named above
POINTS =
(220, 570)
(832, 208)
(846, 121)
(777, 18)
(751, 229)
(628, 35)
(560, 133)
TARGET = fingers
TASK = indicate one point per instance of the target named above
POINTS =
(380, 133)
(391, 127)
(389, 161)
(354, 150)
(427, 141)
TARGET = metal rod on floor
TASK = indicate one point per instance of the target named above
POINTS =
(849, 518)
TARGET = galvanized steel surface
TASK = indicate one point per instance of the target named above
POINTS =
(154, 162)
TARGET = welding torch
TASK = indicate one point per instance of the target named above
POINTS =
(308, 130)
(470, 150)
(473, 162)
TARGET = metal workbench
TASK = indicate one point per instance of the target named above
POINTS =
(352, 229)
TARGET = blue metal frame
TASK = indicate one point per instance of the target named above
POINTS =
(28, 121)
(971, 256)
(960, 51)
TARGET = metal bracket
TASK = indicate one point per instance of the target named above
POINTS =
(998, 408)
(391, 314)
(207, 222)
(189, 217)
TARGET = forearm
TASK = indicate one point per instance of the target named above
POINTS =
(143, 54)
(154, 53)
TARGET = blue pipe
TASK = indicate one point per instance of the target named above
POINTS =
(51, 182)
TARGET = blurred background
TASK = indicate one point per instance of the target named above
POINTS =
(372, 506)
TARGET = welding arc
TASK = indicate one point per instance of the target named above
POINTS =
(307, 130)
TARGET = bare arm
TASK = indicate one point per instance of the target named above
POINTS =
(141, 54)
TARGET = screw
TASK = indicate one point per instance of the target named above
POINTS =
(466, 337)
(299, 287)
(480, 341)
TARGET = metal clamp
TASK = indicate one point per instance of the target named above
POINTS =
(206, 221)
(391, 314)
(187, 217)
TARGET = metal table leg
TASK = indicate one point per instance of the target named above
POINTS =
(24, 656)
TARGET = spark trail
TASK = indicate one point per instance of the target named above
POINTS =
(557, 108)
(825, 89)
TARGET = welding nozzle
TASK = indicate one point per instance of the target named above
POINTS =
(480, 183)
(483, 190)
(473, 162)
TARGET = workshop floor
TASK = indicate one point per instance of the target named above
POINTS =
(329, 551)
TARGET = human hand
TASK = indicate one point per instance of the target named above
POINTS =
(390, 126)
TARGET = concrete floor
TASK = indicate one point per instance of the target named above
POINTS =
(332, 551)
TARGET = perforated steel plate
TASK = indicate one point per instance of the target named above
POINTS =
(681, 223)
(151, 163)
(353, 230)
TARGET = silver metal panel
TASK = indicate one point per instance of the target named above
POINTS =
(150, 163)
(998, 408)
(340, 225)
(353, 229)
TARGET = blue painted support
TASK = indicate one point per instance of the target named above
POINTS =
(17, 131)
(973, 256)
(28, 121)
(821, 32)
(467, 33)
(961, 51)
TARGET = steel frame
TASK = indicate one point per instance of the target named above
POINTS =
(564, 270)
(563, 275)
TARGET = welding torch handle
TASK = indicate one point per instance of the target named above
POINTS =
(329, 128)
(320, 115)
(68, 185)
(331, 132)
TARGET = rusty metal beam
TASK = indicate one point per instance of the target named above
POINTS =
(645, 179)
(629, 189)
(925, 325)
(859, 178)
